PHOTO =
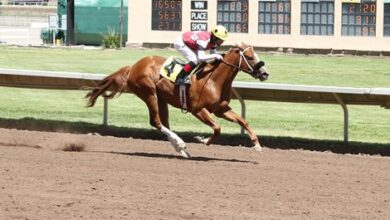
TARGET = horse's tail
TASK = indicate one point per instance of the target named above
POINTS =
(116, 82)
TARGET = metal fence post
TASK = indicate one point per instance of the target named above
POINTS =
(243, 107)
(345, 109)
(105, 112)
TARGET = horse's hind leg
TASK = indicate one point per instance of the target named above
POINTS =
(176, 141)
(163, 112)
(234, 117)
(205, 117)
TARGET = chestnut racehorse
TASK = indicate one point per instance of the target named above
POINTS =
(208, 93)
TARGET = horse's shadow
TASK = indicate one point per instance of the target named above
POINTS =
(170, 156)
(279, 142)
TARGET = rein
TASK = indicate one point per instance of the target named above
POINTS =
(242, 57)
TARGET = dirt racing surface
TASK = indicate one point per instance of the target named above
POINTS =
(124, 178)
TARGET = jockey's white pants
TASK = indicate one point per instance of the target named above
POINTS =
(187, 52)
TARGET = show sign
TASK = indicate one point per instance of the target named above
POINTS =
(195, 26)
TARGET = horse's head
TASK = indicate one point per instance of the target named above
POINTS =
(250, 63)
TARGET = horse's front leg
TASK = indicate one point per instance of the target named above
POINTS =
(234, 117)
(205, 116)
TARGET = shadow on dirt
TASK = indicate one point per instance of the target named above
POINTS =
(169, 156)
(225, 139)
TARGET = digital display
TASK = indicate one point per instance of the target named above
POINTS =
(274, 17)
(386, 20)
(358, 19)
(317, 18)
(233, 14)
(166, 15)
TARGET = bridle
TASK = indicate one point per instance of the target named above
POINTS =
(244, 58)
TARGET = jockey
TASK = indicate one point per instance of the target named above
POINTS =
(193, 44)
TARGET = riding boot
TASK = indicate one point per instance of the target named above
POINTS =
(182, 76)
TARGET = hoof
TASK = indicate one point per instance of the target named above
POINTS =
(185, 154)
(177, 144)
(180, 146)
(258, 148)
(201, 139)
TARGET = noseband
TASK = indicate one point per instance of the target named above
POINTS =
(243, 57)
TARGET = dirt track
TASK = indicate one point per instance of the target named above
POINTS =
(122, 178)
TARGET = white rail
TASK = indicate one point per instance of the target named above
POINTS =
(241, 90)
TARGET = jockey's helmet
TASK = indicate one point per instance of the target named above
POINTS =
(220, 32)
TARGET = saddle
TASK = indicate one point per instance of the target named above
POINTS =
(172, 67)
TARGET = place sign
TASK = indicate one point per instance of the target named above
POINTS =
(198, 15)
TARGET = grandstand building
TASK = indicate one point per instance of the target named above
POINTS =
(328, 25)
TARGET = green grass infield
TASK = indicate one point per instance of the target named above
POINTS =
(368, 124)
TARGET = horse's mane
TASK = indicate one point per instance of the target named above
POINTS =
(241, 46)
(210, 67)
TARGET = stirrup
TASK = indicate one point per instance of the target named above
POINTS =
(181, 81)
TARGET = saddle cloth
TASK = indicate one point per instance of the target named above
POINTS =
(171, 68)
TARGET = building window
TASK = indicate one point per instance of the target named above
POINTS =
(317, 17)
(274, 16)
(233, 14)
(358, 19)
(386, 20)
(166, 15)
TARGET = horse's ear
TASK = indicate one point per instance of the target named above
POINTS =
(236, 46)
(239, 46)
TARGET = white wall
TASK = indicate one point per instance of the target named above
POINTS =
(140, 30)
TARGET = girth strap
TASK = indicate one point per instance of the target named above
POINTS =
(183, 98)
